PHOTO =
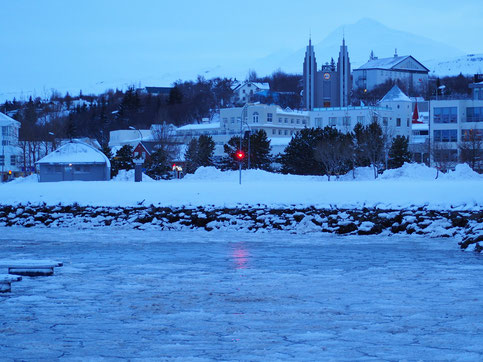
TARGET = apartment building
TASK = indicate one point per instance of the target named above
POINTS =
(10, 153)
(452, 123)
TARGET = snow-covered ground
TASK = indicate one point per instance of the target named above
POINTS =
(411, 186)
(198, 296)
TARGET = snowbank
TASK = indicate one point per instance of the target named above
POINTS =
(411, 186)
(128, 175)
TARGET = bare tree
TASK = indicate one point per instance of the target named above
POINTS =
(335, 151)
(471, 148)
(444, 157)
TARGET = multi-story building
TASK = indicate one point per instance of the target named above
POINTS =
(274, 120)
(393, 113)
(398, 68)
(10, 160)
(452, 123)
(245, 92)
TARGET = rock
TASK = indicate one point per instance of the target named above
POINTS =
(346, 228)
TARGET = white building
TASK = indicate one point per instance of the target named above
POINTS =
(244, 92)
(10, 159)
(378, 71)
(393, 114)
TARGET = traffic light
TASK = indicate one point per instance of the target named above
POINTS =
(240, 155)
(10, 173)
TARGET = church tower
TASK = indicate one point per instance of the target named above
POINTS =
(310, 70)
(344, 73)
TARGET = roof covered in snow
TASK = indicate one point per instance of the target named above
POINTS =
(6, 120)
(395, 95)
(202, 126)
(255, 84)
(75, 152)
(388, 63)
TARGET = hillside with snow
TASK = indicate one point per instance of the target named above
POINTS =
(469, 64)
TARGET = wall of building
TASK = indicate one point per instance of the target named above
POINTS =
(75, 172)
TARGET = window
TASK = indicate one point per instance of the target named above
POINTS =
(445, 135)
(407, 122)
(232, 119)
(298, 121)
(346, 121)
(279, 131)
(2, 160)
(269, 117)
(303, 121)
(384, 121)
(318, 122)
(472, 135)
(4, 130)
(332, 121)
(274, 131)
(398, 122)
(280, 120)
(225, 120)
(255, 117)
(286, 132)
(13, 160)
(360, 119)
(474, 114)
(286, 120)
(291, 121)
(445, 115)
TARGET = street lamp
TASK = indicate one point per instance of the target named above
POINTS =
(135, 129)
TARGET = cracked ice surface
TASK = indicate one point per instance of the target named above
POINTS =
(196, 296)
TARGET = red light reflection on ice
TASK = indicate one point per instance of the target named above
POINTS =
(240, 256)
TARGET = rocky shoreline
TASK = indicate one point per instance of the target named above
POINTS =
(465, 226)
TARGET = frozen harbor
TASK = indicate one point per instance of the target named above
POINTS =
(196, 296)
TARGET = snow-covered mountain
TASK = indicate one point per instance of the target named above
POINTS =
(362, 37)
(467, 64)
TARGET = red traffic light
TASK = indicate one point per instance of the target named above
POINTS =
(240, 155)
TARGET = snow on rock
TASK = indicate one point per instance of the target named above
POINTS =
(128, 175)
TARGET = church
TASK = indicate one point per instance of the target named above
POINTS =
(331, 85)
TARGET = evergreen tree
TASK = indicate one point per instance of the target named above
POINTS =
(191, 156)
(399, 152)
(258, 152)
(298, 157)
(157, 166)
(123, 160)
(206, 148)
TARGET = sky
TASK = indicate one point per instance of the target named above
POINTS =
(69, 45)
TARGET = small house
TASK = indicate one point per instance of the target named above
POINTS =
(74, 161)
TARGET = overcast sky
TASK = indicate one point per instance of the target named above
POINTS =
(43, 43)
